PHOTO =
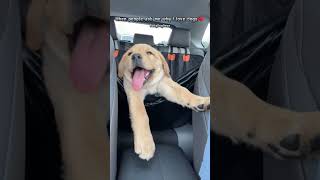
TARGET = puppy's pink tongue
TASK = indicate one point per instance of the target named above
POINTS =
(138, 78)
(89, 58)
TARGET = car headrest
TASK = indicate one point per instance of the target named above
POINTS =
(180, 38)
(143, 38)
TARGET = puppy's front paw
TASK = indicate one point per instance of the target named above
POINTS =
(290, 146)
(200, 104)
(295, 146)
(144, 146)
(294, 136)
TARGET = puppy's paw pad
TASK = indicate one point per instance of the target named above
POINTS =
(291, 146)
(278, 152)
(200, 107)
(291, 142)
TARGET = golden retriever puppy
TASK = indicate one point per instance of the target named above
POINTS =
(145, 71)
(243, 117)
(73, 39)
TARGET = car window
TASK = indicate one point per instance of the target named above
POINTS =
(206, 37)
(126, 31)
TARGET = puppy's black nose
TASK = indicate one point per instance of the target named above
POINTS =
(136, 57)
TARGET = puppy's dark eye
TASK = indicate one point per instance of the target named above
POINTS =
(149, 53)
(129, 54)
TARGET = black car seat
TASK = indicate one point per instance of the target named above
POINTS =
(294, 83)
(12, 128)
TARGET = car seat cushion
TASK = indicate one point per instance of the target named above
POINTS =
(168, 163)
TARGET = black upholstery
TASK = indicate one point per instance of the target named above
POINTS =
(168, 163)
(12, 120)
(180, 38)
(294, 83)
(143, 38)
(246, 36)
(179, 68)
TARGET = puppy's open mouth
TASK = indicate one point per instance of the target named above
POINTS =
(139, 77)
(89, 49)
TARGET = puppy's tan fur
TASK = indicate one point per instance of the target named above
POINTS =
(81, 117)
(159, 82)
(242, 116)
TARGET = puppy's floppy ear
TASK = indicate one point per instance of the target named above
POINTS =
(121, 65)
(165, 65)
(35, 23)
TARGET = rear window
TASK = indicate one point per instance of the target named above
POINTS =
(126, 31)
(206, 37)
